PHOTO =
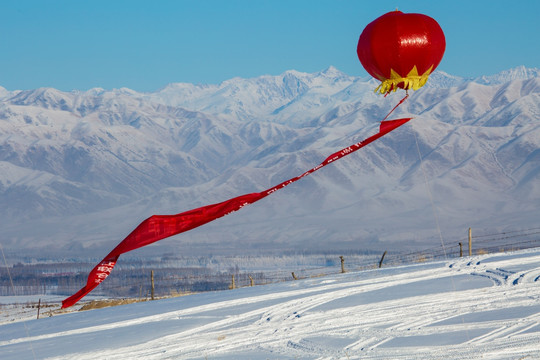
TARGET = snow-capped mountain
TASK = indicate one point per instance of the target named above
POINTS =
(85, 167)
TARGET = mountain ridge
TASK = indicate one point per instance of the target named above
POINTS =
(114, 157)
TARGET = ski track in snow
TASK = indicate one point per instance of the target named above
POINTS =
(484, 306)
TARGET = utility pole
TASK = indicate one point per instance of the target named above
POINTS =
(470, 242)
(382, 258)
(152, 283)
(342, 264)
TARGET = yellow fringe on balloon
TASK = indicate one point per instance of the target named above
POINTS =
(411, 81)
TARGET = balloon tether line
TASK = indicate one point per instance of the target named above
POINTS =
(425, 177)
(437, 222)
(436, 217)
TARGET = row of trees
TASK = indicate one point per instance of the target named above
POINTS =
(131, 277)
(123, 282)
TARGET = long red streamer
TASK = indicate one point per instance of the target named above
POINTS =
(158, 227)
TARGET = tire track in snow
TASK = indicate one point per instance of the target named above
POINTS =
(282, 313)
(283, 316)
(530, 276)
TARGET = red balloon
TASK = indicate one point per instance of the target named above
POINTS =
(401, 50)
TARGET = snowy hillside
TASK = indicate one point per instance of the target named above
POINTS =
(481, 307)
(84, 168)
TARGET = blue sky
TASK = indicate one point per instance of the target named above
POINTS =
(144, 45)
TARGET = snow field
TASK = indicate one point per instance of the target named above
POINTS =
(484, 306)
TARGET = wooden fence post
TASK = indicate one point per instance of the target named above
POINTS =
(460, 250)
(152, 284)
(250, 280)
(382, 258)
(38, 307)
(233, 285)
(470, 242)
(342, 264)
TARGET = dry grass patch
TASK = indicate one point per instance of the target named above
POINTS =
(98, 304)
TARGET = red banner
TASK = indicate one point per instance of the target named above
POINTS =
(158, 227)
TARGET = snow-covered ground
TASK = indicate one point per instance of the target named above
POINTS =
(480, 307)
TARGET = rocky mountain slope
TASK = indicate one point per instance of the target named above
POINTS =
(83, 168)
